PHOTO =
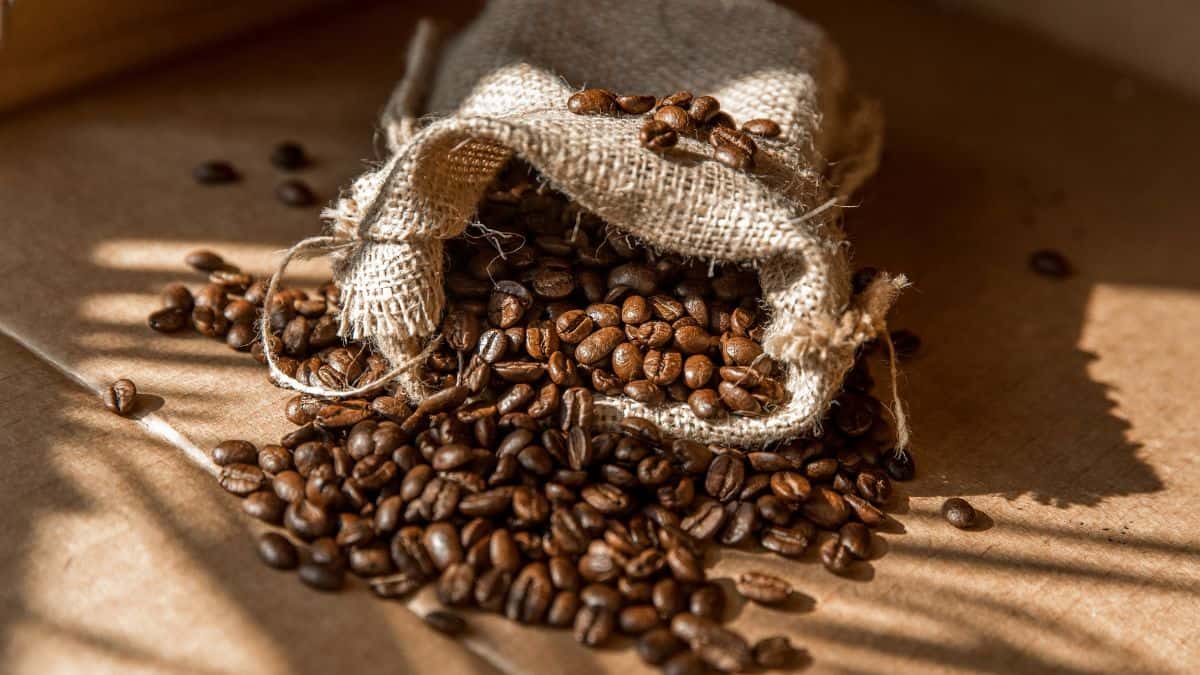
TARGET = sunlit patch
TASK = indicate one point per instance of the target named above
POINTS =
(154, 255)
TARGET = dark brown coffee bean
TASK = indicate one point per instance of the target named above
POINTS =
(169, 320)
(705, 520)
(733, 157)
(697, 371)
(958, 513)
(657, 135)
(773, 509)
(593, 102)
(627, 362)
(530, 594)
(446, 623)
(323, 577)
(491, 589)
(241, 479)
(762, 127)
(443, 545)
(553, 283)
(1050, 264)
(289, 156)
(456, 586)
(684, 565)
(177, 296)
(637, 619)
(826, 508)
(738, 400)
(677, 118)
(295, 193)
(865, 511)
(857, 539)
(594, 625)
(370, 561)
(508, 303)
(597, 346)
(821, 469)
(204, 260)
(276, 551)
(635, 105)
(703, 108)
(786, 541)
(683, 99)
(685, 663)
(605, 498)
(741, 523)
(906, 343)
(693, 340)
(775, 652)
(214, 172)
(644, 391)
(658, 645)
(651, 335)
(721, 136)
(899, 464)
(835, 557)
(461, 330)
(790, 486)
(667, 597)
(725, 477)
(663, 368)
(234, 452)
(720, 647)
(519, 371)
(763, 588)
(120, 396)
(563, 609)
(264, 506)
(705, 404)
(573, 326)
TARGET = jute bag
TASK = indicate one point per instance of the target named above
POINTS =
(500, 88)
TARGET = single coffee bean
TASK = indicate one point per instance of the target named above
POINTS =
(530, 594)
(214, 172)
(456, 586)
(725, 477)
(762, 127)
(657, 135)
(644, 391)
(899, 464)
(443, 545)
(178, 296)
(766, 589)
(663, 367)
(169, 320)
(958, 513)
(322, 577)
(790, 486)
(677, 118)
(564, 608)
(733, 157)
(120, 396)
(708, 601)
(597, 346)
(394, 585)
(446, 623)
(684, 565)
(594, 625)
(703, 108)
(705, 520)
(775, 652)
(637, 619)
(289, 156)
(705, 404)
(276, 551)
(697, 371)
(658, 645)
(235, 452)
(593, 102)
(264, 506)
(635, 105)
(790, 542)
(295, 193)
(685, 663)
(856, 538)
(826, 508)
(241, 479)
(1050, 264)
(718, 646)
(835, 557)
(683, 99)
(867, 512)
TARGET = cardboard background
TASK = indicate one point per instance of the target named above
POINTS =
(1063, 409)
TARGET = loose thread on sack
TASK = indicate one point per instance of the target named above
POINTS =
(898, 413)
(312, 248)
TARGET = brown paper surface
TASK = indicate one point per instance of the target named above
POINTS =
(1064, 410)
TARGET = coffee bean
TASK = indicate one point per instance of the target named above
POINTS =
(605, 498)
(663, 368)
(697, 371)
(683, 99)
(594, 625)
(676, 118)
(685, 663)
(214, 172)
(530, 594)
(322, 577)
(958, 513)
(657, 135)
(289, 156)
(705, 404)
(708, 602)
(593, 102)
(564, 608)
(835, 557)
(394, 585)
(644, 391)
(442, 544)
(766, 589)
(786, 541)
(264, 506)
(597, 346)
(637, 619)
(1050, 264)
(169, 320)
(856, 538)
(703, 108)
(733, 157)
(276, 551)
(725, 477)
(241, 479)
(762, 127)
(705, 520)
(899, 464)
(684, 565)
(295, 193)
(790, 486)
(719, 647)
(120, 396)
(234, 452)
(635, 105)
(446, 623)
(906, 343)
(864, 510)
(826, 508)
(456, 586)
(775, 652)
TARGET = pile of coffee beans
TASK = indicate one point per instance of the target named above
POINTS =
(501, 489)
(681, 114)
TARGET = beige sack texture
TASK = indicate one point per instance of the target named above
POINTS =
(500, 88)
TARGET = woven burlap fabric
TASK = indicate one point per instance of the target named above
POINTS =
(500, 88)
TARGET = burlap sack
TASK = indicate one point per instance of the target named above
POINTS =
(500, 87)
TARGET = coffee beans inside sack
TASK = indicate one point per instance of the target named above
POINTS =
(577, 336)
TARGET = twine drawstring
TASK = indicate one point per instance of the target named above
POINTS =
(897, 408)
(311, 248)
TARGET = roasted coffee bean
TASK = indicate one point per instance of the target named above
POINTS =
(958, 513)
(594, 625)
(721, 136)
(703, 108)
(835, 557)
(456, 586)
(867, 512)
(667, 597)
(597, 346)
(683, 99)
(295, 193)
(370, 561)
(738, 400)
(289, 156)
(725, 476)
(762, 127)
(169, 319)
(663, 367)
(627, 362)
(775, 652)
(241, 479)
(657, 135)
(264, 506)
(564, 608)
(763, 588)
(491, 589)
(773, 509)
(685, 663)
(323, 577)
(720, 647)
(708, 601)
(446, 623)
(410, 555)
(553, 283)
(593, 102)
(705, 404)
(826, 508)
(684, 565)
(676, 118)
(790, 486)
(644, 391)
(530, 594)
(854, 414)
(705, 520)
(733, 157)
(120, 396)
(214, 172)
(899, 464)
(442, 543)
(740, 524)
(605, 498)
(1050, 264)
(178, 296)
(519, 371)
(697, 371)
(234, 452)
(873, 485)
(856, 538)
(786, 541)
(637, 619)
(635, 105)
(276, 551)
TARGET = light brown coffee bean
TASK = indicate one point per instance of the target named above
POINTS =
(762, 127)
(763, 588)
(120, 396)
(593, 102)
